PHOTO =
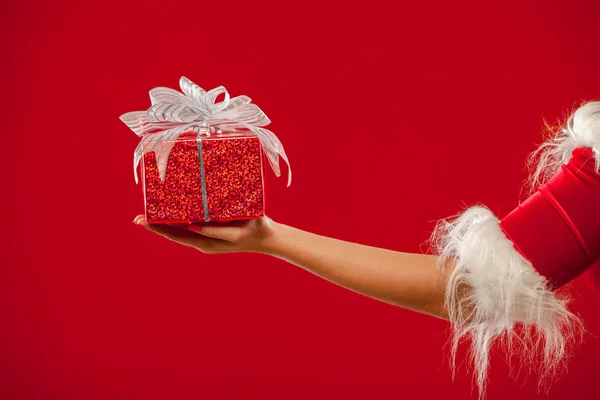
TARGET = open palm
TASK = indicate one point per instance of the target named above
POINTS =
(215, 237)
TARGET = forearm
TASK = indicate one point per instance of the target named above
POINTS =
(404, 279)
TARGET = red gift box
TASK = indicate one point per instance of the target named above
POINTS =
(202, 159)
(208, 178)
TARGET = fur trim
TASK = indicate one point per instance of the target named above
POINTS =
(582, 130)
(494, 294)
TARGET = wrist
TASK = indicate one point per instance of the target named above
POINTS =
(270, 231)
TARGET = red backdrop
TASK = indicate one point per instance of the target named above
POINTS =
(392, 116)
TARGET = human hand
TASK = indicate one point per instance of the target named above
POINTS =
(216, 237)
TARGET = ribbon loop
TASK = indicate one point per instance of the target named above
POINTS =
(172, 113)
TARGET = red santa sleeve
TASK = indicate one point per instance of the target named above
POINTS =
(503, 287)
(593, 275)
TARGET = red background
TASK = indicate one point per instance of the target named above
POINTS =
(393, 116)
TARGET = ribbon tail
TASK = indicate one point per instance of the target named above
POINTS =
(163, 148)
(139, 152)
(161, 144)
(135, 120)
(273, 148)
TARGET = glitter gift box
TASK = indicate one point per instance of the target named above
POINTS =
(214, 178)
(202, 159)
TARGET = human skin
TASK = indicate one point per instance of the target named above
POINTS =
(408, 280)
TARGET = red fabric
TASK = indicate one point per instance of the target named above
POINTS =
(592, 275)
(557, 229)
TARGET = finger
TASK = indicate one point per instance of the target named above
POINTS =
(185, 237)
(223, 223)
(227, 232)
(168, 231)
(142, 217)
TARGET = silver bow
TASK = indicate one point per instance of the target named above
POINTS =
(173, 113)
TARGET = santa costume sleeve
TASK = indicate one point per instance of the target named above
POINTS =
(506, 272)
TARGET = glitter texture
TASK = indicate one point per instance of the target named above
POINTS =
(233, 172)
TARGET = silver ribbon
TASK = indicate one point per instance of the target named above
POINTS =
(196, 110)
